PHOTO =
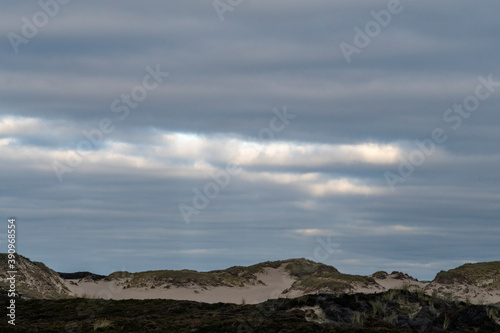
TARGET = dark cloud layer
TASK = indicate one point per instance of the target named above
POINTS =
(322, 174)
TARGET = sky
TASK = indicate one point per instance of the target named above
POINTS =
(205, 134)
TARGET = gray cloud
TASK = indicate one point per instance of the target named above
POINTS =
(118, 208)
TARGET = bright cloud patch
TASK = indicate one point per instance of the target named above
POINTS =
(216, 149)
(19, 126)
(314, 232)
(250, 153)
(191, 156)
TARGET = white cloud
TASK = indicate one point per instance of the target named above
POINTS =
(315, 232)
(286, 154)
(10, 125)
(369, 228)
(342, 186)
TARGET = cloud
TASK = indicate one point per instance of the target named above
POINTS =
(12, 126)
(323, 174)
(314, 232)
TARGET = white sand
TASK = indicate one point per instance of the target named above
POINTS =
(390, 282)
(276, 280)
(460, 292)
(463, 292)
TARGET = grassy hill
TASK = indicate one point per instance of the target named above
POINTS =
(317, 277)
(310, 277)
(34, 279)
(485, 275)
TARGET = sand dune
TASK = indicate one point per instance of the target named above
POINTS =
(275, 282)
(475, 283)
(458, 291)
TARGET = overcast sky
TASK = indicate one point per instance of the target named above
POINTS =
(198, 134)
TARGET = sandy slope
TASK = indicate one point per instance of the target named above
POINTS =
(460, 292)
(465, 293)
(276, 281)
(390, 282)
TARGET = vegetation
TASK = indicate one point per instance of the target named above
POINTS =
(345, 313)
(313, 277)
(446, 323)
(101, 323)
(34, 280)
(358, 319)
(378, 308)
(233, 276)
(389, 296)
(492, 313)
(380, 275)
(302, 267)
(404, 310)
(81, 275)
(485, 275)
(392, 318)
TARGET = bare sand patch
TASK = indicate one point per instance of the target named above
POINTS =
(275, 281)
